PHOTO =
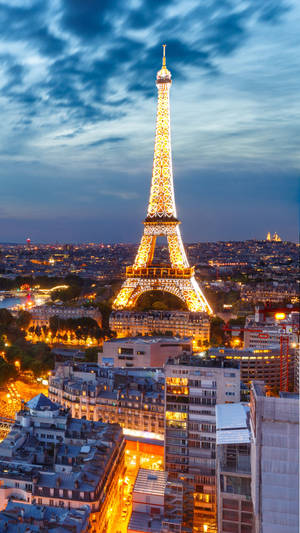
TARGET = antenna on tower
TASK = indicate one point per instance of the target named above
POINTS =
(164, 55)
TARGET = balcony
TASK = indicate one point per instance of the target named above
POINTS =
(242, 466)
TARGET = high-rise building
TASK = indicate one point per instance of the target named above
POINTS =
(274, 461)
(194, 385)
(175, 277)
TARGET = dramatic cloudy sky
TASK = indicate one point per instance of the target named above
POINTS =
(78, 101)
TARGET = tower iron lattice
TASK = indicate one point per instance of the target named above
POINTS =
(178, 277)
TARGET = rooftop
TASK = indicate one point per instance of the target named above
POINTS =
(150, 340)
(151, 482)
(201, 360)
(224, 351)
(232, 423)
(144, 522)
(42, 403)
(18, 516)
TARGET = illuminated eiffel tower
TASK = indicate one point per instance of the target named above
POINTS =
(177, 277)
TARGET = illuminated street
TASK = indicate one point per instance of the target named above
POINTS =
(136, 458)
(13, 393)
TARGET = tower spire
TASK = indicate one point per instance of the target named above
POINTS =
(164, 55)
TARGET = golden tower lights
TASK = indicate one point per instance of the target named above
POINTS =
(177, 278)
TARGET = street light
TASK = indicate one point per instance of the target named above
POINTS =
(17, 365)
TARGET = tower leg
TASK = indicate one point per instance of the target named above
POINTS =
(124, 296)
(145, 252)
(176, 250)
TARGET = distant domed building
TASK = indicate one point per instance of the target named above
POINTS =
(274, 238)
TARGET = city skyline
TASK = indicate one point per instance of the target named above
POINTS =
(79, 119)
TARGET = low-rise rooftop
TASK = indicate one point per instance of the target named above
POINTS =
(151, 482)
(22, 517)
(201, 360)
(150, 340)
(232, 424)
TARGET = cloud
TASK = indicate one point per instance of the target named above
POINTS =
(89, 20)
(78, 95)
(108, 140)
(27, 24)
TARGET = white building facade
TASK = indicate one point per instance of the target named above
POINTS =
(274, 461)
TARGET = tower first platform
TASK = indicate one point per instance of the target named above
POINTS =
(178, 277)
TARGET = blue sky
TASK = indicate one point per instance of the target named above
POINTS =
(78, 102)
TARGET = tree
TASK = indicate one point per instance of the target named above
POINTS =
(159, 300)
(217, 333)
(7, 371)
(6, 318)
(23, 319)
(65, 295)
(91, 355)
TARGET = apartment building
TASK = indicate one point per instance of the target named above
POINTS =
(20, 517)
(178, 323)
(143, 352)
(194, 385)
(274, 460)
(270, 293)
(40, 315)
(235, 513)
(52, 459)
(133, 398)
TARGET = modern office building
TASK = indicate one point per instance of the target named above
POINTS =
(133, 398)
(266, 329)
(274, 461)
(260, 363)
(142, 352)
(194, 385)
(52, 459)
(177, 323)
(235, 514)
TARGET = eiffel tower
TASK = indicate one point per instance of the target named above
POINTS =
(177, 277)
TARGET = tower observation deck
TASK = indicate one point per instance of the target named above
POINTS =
(178, 277)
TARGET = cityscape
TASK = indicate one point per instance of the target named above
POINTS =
(148, 386)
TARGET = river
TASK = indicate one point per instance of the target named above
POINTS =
(8, 303)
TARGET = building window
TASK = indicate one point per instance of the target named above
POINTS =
(230, 504)
(125, 351)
